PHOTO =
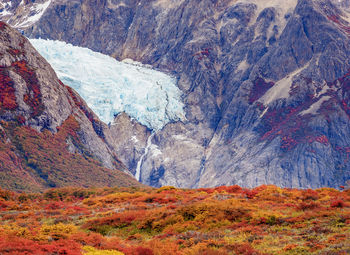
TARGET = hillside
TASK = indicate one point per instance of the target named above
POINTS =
(221, 221)
(48, 135)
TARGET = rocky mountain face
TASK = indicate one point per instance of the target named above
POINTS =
(266, 85)
(48, 135)
(22, 13)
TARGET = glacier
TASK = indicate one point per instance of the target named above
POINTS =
(110, 87)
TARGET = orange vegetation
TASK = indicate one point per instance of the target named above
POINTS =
(30, 160)
(216, 221)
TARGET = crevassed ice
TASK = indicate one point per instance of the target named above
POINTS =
(110, 87)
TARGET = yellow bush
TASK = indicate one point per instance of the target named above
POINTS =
(14, 230)
(89, 250)
(164, 188)
(57, 231)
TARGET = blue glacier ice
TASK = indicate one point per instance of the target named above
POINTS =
(109, 86)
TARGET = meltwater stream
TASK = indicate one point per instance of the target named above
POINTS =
(139, 163)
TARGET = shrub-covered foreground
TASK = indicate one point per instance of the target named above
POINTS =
(223, 220)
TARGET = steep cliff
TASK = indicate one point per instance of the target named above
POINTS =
(49, 137)
(265, 84)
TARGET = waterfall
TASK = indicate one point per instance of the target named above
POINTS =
(139, 163)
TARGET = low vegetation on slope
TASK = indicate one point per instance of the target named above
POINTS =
(33, 161)
(131, 221)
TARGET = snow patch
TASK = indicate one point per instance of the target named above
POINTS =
(5, 12)
(5, 9)
(315, 106)
(346, 15)
(242, 66)
(38, 10)
(180, 137)
(168, 4)
(110, 87)
(263, 113)
(155, 150)
(282, 8)
(134, 139)
(282, 88)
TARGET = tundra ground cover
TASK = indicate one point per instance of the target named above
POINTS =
(223, 220)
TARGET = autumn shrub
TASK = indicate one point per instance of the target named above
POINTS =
(54, 206)
(272, 220)
(6, 195)
(321, 230)
(14, 230)
(106, 225)
(208, 212)
(57, 231)
(137, 250)
(83, 193)
(243, 249)
(166, 189)
(211, 251)
(158, 198)
(308, 205)
(228, 189)
(165, 246)
(3, 204)
(161, 222)
(104, 230)
(142, 251)
(337, 203)
(21, 246)
(248, 193)
(295, 250)
(88, 239)
(310, 194)
(89, 250)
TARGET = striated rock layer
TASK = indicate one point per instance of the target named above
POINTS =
(48, 135)
(266, 84)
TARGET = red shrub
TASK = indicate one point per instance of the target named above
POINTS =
(212, 252)
(143, 251)
(20, 246)
(228, 189)
(54, 206)
(2, 25)
(33, 97)
(91, 239)
(310, 194)
(337, 203)
(7, 91)
(249, 193)
(136, 250)
(308, 205)
(243, 249)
